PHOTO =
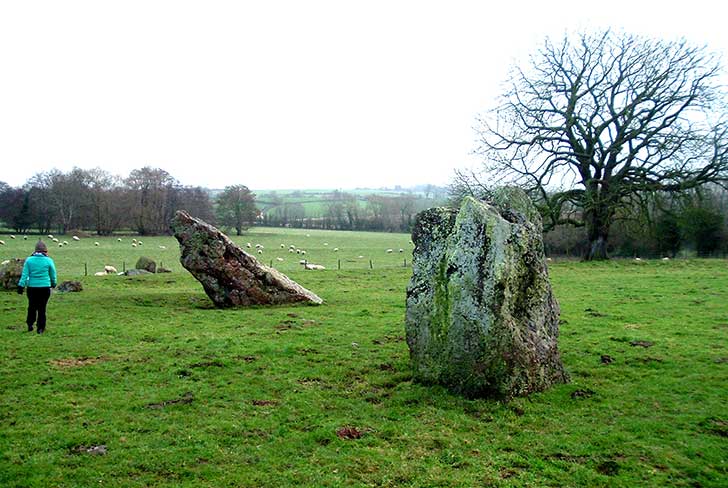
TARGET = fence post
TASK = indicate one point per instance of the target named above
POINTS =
(371, 266)
(339, 264)
(404, 265)
(85, 269)
(123, 266)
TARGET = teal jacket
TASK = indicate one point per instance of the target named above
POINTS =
(39, 271)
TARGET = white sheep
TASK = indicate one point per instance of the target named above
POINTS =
(303, 253)
(390, 251)
(259, 246)
(133, 240)
(12, 236)
(25, 238)
(162, 247)
(308, 235)
(401, 250)
(326, 243)
(665, 258)
(279, 259)
(336, 249)
(638, 259)
(360, 257)
(55, 240)
(291, 251)
(118, 240)
(298, 251)
(60, 244)
(100, 273)
(133, 244)
(5, 262)
(75, 238)
(2, 243)
(260, 251)
(313, 266)
(139, 243)
(50, 236)
(283, 246)
(65, 243)
(248, 245)
(549, 259)
(96, 243)
(109, 269)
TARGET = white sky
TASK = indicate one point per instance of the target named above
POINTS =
(280, 94)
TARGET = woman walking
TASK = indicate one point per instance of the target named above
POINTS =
(39, 275)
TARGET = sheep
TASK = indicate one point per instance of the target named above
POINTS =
(133, 240)
(75, 238)
(313, 266)
(139, 243)
(326, 243)
(665, 258)
(401, 250)
(25, 238)
(60, 244)
(283, 246)
(248, 245)
(133, 244)
(336, 249)
(302, 261)
(308, 235)
(100, 273)
(55, 240)
(360, 257)
(291, 250)
(5, 262)
(162, 247)
(96, 243)
(260, 251)
(50, 236)
(2, 243)
(638, 259)
(390, 251)
(298, 251)
(291, 247)
(65, 243)
(12, 236)
(118, 240)
(109, 269)
(303, 253)
(549, 259)
(279, 259)
(258, 246)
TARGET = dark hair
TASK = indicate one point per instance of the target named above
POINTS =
(41, 247)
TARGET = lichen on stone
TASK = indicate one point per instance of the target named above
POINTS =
(481, 317)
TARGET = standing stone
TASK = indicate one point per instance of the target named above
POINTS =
(230, 276)
(147, 264)
(481, 317)
(10, 273)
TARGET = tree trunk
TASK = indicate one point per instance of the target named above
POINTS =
(597, 227)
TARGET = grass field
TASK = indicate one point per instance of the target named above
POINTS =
(139, 381)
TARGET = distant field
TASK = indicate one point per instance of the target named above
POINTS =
(141, 382)
(327, 248)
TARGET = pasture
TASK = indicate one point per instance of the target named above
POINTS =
(139, 381)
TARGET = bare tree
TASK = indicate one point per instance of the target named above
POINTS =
(595, 122)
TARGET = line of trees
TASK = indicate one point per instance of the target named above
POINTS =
(97, 201)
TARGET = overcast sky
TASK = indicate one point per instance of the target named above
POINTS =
(280, 94)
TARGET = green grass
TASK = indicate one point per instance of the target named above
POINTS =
(183, 394)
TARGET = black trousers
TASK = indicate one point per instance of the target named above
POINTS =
(37, 301)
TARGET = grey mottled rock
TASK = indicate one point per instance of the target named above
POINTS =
(136, 272)
(481, 317)
(70, 286)
(10, 273)
(230, 276)
(147, 264)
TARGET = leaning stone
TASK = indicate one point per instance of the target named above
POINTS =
(147, 264)
(10, 273)
(481, 317)
(230, 276)
(70, 286)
